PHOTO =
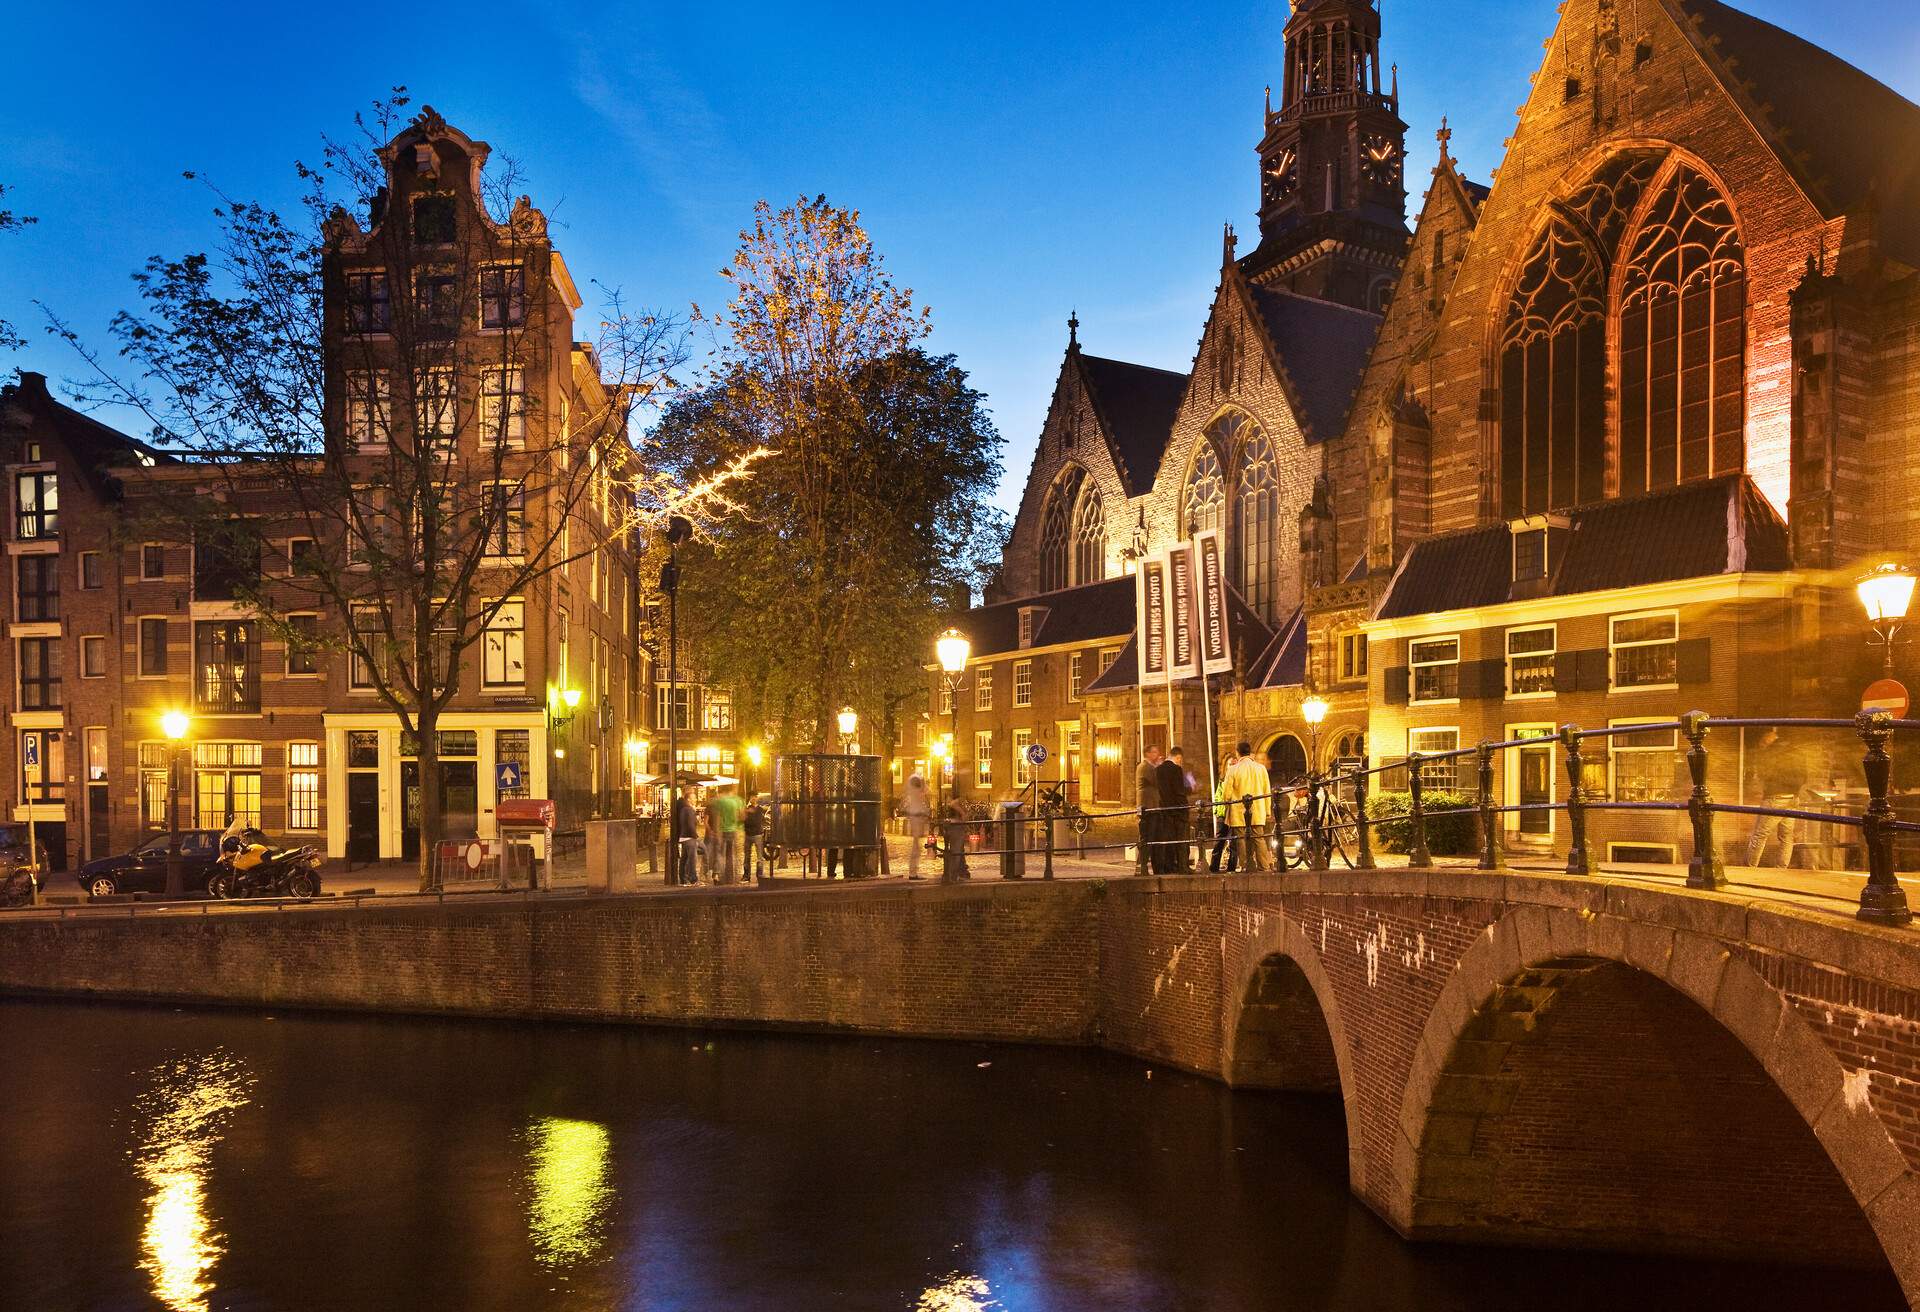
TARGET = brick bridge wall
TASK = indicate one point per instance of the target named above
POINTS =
(1527, 1058)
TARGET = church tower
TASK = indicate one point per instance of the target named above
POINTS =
(1333, 197)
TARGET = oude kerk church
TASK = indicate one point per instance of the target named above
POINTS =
(1603, 439)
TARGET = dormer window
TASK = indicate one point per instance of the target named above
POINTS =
(1030, 618)
(1529, 554)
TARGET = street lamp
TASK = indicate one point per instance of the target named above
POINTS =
(174, 724)
(679, 529)
(952, 649)
(1313, 710)
(754, 757)
(849, 725)
(940, 749)
(1885, 593)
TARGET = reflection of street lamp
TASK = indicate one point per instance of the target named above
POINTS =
(1885, 593)
(174, 724)
(849, 725)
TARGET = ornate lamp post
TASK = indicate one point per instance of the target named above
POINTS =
(1885, 593)
(849, 725)
(754, 757)
(952, 649)
(174, 724)
(1313, 710)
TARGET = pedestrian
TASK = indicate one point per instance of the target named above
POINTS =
(709, 836)
(685, 825)
(1222, 827)
(724, 813)
(1779, 771)
(1249, 801)
(1175, 792)
(953, 868)
(916, 809)
(1147, 786)
(753, 823)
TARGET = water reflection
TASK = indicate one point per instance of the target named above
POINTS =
(182, 1115)
(570, 1189)
(959, 1293)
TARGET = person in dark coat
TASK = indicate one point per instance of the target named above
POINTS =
(686, 835)
(1147, 789)
(1779, 773)
(1170, 781)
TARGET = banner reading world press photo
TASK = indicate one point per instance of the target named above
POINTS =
(1183, 655)
(1150, 616)
(1209, 553)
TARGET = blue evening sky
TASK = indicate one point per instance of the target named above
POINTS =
(1014, 162)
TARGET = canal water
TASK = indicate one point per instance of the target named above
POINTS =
(190, 1160)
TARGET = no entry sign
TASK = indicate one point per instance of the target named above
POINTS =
(1888, 695)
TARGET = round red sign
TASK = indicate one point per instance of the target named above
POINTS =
(1886, 695)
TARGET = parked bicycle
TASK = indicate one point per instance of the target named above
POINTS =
(1051, 803)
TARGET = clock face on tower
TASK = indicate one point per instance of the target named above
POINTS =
(1380, 160)
(1282, 177)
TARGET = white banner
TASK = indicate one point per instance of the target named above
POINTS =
(1183, 635)
(1150, 595)
(1210, 569)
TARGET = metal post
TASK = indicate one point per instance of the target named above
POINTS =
(1418, 857)
(1363, 831)
(1882, 901)
(1490, 857)
(1046, 871)
(1705, 869)
(1316, 823)
(176, 877)
(1578, 862)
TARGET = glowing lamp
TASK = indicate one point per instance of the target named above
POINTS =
(942, 747)
(953, 649)
(571, 697)
(849, 721)
(174, 724)
(559, 753)
(755, 755)
(1313, 710)
(1886, 592)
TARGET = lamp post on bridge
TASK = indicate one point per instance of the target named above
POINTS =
(174, 724)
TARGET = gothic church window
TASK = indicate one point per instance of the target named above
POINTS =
(1553, 377)
(1682, 340)
(1204, 505)
(1253, 541)
(1089, 539)
(1073, 533)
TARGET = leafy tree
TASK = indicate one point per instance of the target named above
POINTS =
(870, 517)
(10, 340)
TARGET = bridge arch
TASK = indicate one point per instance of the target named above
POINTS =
(1283, 1029)
(1586, 1081)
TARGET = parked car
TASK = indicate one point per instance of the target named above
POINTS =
(144, 870)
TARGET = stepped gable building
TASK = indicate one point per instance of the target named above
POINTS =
(1603, 442)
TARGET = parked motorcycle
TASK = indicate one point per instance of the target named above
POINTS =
(249, 866)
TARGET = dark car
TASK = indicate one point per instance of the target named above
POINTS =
(144, 870)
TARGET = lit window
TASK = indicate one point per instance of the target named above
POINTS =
(361, 665)
(503, 405)
(1076, 676)
(717, 711)
(503, 647)
(1427, 742)
(1353, 657)
(369, 301)
(983, 757)
(369, 407)
(36, 505)
(1022, 772)
(434, 403)
(1645, 765)
(1023, 683)
(983, 688)
(503, 296)
(1433, 666)
(1645, 650)
(1530, 660)
(303, 785)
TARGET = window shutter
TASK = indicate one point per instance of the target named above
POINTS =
(1484, 679)
(1397, 686)
(1590, 671)
(1693, 661)
(1566, 671)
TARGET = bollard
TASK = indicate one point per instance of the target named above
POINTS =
(1705, 869)
(1013, 846)
(1490, 857)
(1578, 862)
(1046, 869)
(1882, 901)
(1418, 857)
(1363, 831)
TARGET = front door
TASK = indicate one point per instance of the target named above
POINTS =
(363, 816)
(1530, 782)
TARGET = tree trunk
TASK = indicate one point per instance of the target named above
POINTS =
(427, 754)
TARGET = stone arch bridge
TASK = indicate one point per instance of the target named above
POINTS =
(1531, 1058)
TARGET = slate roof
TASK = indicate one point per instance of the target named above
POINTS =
(1138, 405)
(1284, 663)
(1846, 134)
(1323, 348)
(1089, 613)
(1720, 526)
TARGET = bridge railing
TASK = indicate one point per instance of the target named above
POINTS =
(1882, 899)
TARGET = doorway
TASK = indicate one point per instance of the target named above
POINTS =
(1530, 782)
(1286, 760)
(363, 815)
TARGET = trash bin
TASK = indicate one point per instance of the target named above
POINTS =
(1013, 841)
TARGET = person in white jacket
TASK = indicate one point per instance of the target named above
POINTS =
(916, 808)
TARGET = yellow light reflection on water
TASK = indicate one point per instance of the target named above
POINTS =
(959, 1293)
(181, 1118)
(570, 1188)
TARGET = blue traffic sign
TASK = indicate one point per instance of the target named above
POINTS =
(1036, 754)
(33, 751)
(506, 776)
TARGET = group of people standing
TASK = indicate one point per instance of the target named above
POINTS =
(710, 837)
(1239, 820)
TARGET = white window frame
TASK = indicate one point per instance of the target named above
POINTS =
(369, 408)
(1451, 764)
(983, 757)
(494, 392)
(1413, 679)
(144, 548)
(1352, 657)
(983, 688)
(303, 778)
(506, 643)
(355, 683)
(480, 290)
(1516, 532)
(1614, 648)
(1022, 683)
(1076, 676)
(1614, 750)
(1550, 653)
(437, 398)
(1022, 771)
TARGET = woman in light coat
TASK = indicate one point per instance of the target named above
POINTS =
(916, 808)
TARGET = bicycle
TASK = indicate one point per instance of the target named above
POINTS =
(1052, 804)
